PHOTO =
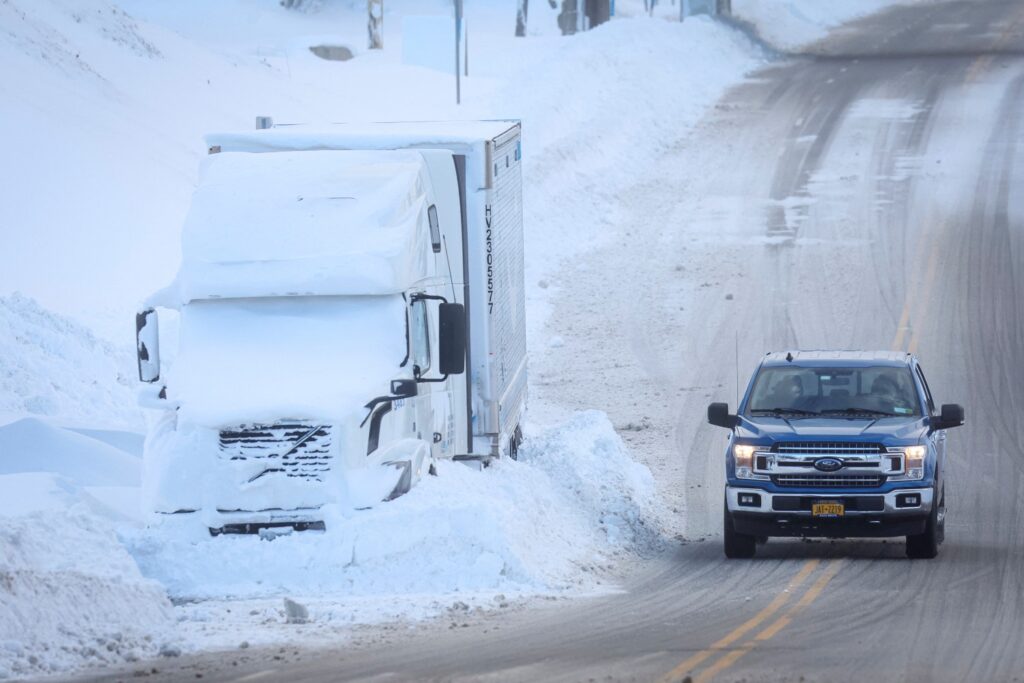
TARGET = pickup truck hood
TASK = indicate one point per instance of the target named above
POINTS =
(889, 430)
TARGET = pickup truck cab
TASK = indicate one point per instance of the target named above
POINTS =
(836, 444)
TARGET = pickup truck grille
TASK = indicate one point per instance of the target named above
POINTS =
(294, 449)
(826, 448)
(829, 480)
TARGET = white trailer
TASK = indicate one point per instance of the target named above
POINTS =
(351, 305)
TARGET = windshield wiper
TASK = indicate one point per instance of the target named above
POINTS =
(857, 411)
(782, 411)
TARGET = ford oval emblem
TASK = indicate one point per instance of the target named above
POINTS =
(828, 464)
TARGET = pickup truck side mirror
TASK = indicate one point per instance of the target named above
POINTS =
(452, 334)
(147, 345)
(718, 415)
(951, 415)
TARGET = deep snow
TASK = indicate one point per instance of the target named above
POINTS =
(117, 97)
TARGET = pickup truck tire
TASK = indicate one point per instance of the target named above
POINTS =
(737, 546)
(926, 546)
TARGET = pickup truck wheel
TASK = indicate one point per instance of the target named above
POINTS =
(737, 546)
(926, 546)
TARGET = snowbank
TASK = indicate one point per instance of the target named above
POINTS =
(792, 24)
(548, 523)
(86, 585)
(51, 366)
(70, 594)
(513, 527)
(31, 445)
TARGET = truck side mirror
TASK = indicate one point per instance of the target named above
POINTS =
(718, 415)
(951, 415)
(452, 333)
(147, 345)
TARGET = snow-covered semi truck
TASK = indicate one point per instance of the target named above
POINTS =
(350, 309)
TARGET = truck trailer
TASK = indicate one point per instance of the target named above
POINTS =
(350, 309)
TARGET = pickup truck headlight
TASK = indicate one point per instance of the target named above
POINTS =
(743, 457)
(913, 457)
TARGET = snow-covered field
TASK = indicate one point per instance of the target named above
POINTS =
(109, 102)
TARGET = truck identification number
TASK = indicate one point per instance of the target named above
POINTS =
(490, 260)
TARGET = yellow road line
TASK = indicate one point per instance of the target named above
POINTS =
(723, 663)
(929, 282)
(901, 326)
(688, 665)
(774, 628)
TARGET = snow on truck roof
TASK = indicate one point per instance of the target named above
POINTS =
(837, 358)
(305, 223)
(365, 135)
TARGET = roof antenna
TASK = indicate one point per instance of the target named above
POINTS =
(789, 356)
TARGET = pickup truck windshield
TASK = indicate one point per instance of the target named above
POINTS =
(876, 391)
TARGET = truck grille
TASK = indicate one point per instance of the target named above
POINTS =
(824, 448)
(294, 449)
(829, 480)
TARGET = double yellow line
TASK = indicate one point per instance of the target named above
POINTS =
(728, 653)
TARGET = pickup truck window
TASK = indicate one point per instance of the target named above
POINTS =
(927, 391)
(874, 391)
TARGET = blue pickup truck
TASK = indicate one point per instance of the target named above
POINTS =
(836, 444)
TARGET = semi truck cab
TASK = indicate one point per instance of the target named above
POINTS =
(836, 444)
(349, 310)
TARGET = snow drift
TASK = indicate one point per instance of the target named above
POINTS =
(70, 594)
(514, 527)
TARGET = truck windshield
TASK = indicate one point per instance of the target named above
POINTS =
(875, 391)
(253, 360)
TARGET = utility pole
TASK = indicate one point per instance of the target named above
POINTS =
(522, 8)
(458, 37)
(375, 23)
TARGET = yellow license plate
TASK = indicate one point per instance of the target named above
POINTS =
(828, 509)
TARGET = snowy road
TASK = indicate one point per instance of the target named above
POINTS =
(861, 197)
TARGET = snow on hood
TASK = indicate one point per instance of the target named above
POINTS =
(306, 223)
(258, 360)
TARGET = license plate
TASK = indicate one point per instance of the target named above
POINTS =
(829, 508)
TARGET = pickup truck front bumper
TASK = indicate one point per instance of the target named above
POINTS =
(894, 513)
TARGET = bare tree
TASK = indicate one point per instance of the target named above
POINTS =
(375, 23)
(522, 7)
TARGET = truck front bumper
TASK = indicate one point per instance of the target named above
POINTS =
(894, 513)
